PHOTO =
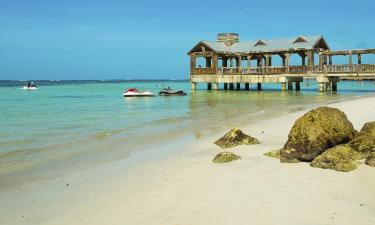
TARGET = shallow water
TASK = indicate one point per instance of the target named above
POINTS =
(66, 119)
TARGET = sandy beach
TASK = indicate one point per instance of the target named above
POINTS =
(184, 187)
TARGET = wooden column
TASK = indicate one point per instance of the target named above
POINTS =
(287, 61)
(298, 86)
(193, 86)
(216, 86)
(283, 86)
(259, 61)
(334, 86)
(320, 58)
(328, 86)
(290, 86)
(215, 62)
(225, 61)
(239, 65)
(192, 63)
(310, 56)
(321, 86)
(248, 63)
(208, 62)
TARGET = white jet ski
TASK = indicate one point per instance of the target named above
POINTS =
(132, 92)
(30, 86)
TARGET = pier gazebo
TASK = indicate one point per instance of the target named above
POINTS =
(228, 60)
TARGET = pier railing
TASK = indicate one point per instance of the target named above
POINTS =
(298, 70)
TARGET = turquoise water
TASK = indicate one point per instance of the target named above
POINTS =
(94, 115)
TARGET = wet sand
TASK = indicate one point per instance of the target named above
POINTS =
(184, 187)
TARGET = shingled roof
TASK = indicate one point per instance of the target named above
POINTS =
(262, 45)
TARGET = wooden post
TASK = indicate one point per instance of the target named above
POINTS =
(247, 86)
(208, 62)
(239, 64)
(216, 86)
(193, 86)
(260, 61)
(287, 61)
(303, 60)
(215, 62)
(283, 86)
(225, 61)
(328, 86)
(298, 86)
(311, 57)
(209, 86)
(321, 86)
(192, 63)
(248, 64)
(334, 86)
(290, 86)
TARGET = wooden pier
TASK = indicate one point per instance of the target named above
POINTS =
(228, 61)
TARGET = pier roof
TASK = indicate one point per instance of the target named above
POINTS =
(263, 45)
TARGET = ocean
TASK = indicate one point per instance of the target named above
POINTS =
(79, 119)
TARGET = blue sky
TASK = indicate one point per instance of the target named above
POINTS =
(113, 39)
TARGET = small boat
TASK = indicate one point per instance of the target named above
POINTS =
(169, 92)
(132, 92)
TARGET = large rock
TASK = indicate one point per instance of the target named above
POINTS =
(341, 158)
(225, 157)
(316, 131)
(235, 137)
(364, 142)
(370, 160)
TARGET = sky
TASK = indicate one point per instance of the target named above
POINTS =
(140, 39)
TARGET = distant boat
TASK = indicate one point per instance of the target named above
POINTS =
(30, 86)
(133, 92)
(169, 92)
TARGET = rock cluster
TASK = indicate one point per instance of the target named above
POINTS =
(235, 137)
(231, 139)
(326, 138)
(225, 157)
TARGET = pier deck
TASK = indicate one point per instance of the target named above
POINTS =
(220, 68)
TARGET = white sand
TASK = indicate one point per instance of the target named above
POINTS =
(186, 188)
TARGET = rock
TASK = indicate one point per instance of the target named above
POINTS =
(340, 158)
(316, 131)
(370, 160)
(274, 154)
(235, 137)
(364, 142)
(368, 129)
(225, 157)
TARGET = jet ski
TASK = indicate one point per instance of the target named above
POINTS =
(133, 92)
(30, 86)
(169, 92)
